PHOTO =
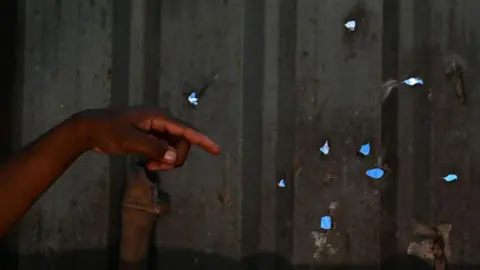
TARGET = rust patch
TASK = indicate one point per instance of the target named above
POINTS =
(224, 199)
(454, 73)
(349, 57)
(329, 177)
(299, 202)
(239, 61)
(430, 94)
(109, 75)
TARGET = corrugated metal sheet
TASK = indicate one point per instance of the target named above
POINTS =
(291, 77)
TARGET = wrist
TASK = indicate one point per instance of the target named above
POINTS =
(78, 124)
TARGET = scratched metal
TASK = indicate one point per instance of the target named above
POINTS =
(291, 77)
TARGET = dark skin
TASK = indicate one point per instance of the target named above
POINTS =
(148, 132)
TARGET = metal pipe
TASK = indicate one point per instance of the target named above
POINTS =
(139, 213)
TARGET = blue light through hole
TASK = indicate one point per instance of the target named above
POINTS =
(192, 98)
(451, 178)
(282, 183)
(365, 149)
(325, 149)
(351, 25)
(413, 81)
(326, 222)
(375, 173)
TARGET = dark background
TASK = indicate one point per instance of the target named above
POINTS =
(291, 77)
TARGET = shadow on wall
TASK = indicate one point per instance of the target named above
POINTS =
(188, 259)
(8, 46)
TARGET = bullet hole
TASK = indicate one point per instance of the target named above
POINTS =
(364, 150)
(325, 148)
(350, 25)
(326, 223)
(375, 173)
(192, 99)
(194, 96)
(454, 73)
(450, 178)
(413, 81)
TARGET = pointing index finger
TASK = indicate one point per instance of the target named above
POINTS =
(191, 135)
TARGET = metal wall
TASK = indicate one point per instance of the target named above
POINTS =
(292, 76)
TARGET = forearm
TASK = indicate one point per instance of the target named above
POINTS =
(25, 177)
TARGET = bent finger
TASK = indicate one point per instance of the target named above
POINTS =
(137, 142)
(155, 166)
(182, 148)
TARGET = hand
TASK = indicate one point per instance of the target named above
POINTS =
(143, 131)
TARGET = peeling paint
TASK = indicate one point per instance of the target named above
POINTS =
(322, 247)
(320, 239)
(332, 250)
(423, 250)
(297, 173)
(320, 243)
(444, 231)
(333, 207)
(434, 246)
(387, 87)
(430, 94)
(421, 229)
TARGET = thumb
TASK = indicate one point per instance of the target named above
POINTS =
(140, 143)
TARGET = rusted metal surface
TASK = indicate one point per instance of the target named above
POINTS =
(292, 76)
